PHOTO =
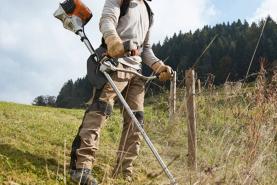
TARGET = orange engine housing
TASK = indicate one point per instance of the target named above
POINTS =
(82, 11)
(77, 8)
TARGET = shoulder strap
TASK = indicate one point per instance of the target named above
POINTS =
(124, 7)
(150, 13)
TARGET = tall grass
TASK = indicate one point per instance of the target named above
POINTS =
(237, 141)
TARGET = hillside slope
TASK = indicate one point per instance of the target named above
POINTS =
(32, 145)
(236, 142)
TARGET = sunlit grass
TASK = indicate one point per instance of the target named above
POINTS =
(236, 142)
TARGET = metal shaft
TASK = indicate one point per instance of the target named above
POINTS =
(138, 125)
(85, 40)
(87, 43)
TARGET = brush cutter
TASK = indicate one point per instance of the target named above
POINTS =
(74, 16)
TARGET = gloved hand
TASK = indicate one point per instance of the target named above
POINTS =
(164, 71)
(115, 46)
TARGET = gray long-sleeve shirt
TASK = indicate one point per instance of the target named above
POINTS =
(133, 26)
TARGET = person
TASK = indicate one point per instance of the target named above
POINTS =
(118, 28)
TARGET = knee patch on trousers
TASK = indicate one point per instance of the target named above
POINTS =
(102, 107)
(140, 117)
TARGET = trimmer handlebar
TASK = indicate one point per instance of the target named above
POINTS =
(108, 66)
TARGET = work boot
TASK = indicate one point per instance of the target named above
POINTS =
(83, 177)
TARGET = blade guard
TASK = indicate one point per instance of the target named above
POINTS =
(73, 14)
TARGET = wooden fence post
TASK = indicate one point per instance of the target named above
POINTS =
(172, 96)
(191, 115)
(199, 86)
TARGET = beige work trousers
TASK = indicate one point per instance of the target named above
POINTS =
(89, 133)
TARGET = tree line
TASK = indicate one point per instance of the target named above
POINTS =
(229, 56)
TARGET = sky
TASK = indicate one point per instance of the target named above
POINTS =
(37, 55)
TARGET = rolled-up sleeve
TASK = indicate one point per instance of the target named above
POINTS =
(109, 18)
(148, 56)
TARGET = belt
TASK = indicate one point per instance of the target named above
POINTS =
(132, 48)
(134, 52)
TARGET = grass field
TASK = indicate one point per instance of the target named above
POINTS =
(237, 142)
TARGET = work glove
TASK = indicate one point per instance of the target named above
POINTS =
(163, 71)
(115, 46)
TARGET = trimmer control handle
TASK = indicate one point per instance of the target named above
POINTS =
(107, 65)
